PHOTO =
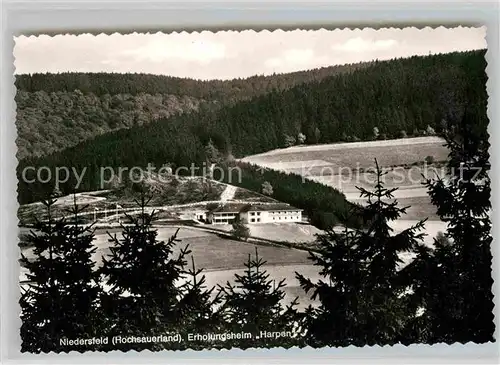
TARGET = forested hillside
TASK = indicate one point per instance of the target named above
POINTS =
(49, 122)
(404, 95)
(56, 111)
(115, 83)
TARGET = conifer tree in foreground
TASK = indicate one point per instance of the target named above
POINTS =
(334, 322)
(455, 279)
(362, 301)
(254, 304)
(142, 274)
(387, 292)
(61, 299)
(199, 309)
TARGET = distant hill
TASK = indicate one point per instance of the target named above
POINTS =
(136, 83)
(404, 95)
(56, 111)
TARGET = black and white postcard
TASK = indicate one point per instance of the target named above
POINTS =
(253, 189)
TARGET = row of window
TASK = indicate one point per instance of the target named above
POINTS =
(225, 214)
(257, 213)
(285, 218)
(285, 212)
(276, 212)
(257, 220)
(291, 214)
(224, 221)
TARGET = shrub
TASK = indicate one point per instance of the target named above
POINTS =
(429, 159)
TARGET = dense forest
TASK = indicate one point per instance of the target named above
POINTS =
(114, 83)
(49, 122)
(403, 95)
(56, 111)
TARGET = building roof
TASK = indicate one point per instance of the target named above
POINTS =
(252, 207)
(272, 207)
(229, 208)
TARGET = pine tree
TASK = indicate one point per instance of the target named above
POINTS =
(457, 289)
(240, 231)
(212, 154)
(267, 188)
(288, 141)
(317, 135)
(199, 309)
(301, 138)
(383, 251)
(212, 157)
(336, 321)
(363, 300)
(423, 276)
(254, 304)
(143, 279)
(61, 299)
(84, 287)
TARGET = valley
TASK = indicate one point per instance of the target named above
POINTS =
(198, 190)
(221, 256)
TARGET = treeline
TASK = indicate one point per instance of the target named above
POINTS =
(394, 96)
(406, 95)
(136, 83)
(56, 111)
(367, 294)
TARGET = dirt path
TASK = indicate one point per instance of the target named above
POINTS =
(228, 193)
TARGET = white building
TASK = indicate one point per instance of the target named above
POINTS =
(224, 217)
(199, 215)
(272, 214)
(255, 213)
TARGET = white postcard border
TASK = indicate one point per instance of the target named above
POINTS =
(37, 17)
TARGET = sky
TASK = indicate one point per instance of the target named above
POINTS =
(232, 54)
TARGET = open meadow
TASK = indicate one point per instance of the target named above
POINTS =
(346, 166)
(222, 258)
(392, 152)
